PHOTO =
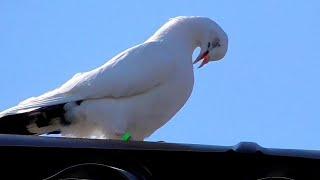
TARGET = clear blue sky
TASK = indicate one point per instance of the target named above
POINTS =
(265, 90)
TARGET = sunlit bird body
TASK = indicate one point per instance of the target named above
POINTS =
(137, 91)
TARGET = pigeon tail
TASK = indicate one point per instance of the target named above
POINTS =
(46, 120)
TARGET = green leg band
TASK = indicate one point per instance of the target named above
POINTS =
(126, 137)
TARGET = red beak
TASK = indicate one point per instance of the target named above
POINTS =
(205, 56)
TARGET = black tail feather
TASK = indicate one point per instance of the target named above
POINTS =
(17, 123)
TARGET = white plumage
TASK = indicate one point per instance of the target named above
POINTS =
(138, 90)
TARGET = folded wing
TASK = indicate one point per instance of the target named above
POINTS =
(131, 72)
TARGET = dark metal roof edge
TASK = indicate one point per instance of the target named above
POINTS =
(60, 142)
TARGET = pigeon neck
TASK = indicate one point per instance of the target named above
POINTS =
(183, 35)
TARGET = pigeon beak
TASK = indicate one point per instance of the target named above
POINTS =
(205, 56)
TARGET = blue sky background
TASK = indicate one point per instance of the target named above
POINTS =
(265, 90)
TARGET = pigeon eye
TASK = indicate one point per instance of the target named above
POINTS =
(216, 44)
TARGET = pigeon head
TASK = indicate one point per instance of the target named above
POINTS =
(192, 32)
(213, 43)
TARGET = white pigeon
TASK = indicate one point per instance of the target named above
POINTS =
(136, 92)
